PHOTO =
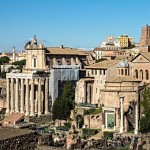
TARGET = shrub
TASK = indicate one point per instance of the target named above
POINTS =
(90, 132)
(68, 124)
(145, 124)
(108, 134)
(93, 111)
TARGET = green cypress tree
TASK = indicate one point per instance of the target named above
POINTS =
(145, 106)
(64, 103)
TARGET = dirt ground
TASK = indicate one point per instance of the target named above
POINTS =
(11, 132)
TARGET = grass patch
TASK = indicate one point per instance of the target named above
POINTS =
(90, 132)
(93, 111)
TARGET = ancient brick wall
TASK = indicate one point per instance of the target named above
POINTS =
(22, 142)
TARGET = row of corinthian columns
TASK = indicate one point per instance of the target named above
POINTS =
(24, 101)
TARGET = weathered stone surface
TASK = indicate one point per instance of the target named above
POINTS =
(41, 119)
(18, 140)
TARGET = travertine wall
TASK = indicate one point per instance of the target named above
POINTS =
(112, 92)
(93, 121)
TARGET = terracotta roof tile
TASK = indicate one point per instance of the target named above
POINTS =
(103, 64)
(146, 55)
(14, 117)
(64, 51)
(124, 79)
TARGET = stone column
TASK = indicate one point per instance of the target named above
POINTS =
(136, 119)
(12, 95)
(121, 119)
(17, 97)
(103, 120)
(39, 97)
(8, 100)
(84, 96)
(36, 102)
(46, 96)
(88, 93)
(32, 98)
(27, 98)
(22, 96)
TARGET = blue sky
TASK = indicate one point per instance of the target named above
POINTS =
(73, 23)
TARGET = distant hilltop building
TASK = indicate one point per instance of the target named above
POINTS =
(145, 38)
(107, 48)
(110, 39)
(125, 41)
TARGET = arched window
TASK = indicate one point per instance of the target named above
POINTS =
(121, 71)
(141, 74)
(136, 73)
(146, 75)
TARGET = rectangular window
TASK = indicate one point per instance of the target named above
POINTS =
(34, 62)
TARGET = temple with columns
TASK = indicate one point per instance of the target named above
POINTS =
(28, 91)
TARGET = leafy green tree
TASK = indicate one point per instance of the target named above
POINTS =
(3, 74)
(65, 103)
(4, 59)
(19, 64)
(145, 106)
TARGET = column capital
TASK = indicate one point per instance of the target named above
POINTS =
(26, 81)
(7, 79)
(32, 81)
(12, 80)
(40, 80)
(121, 98)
